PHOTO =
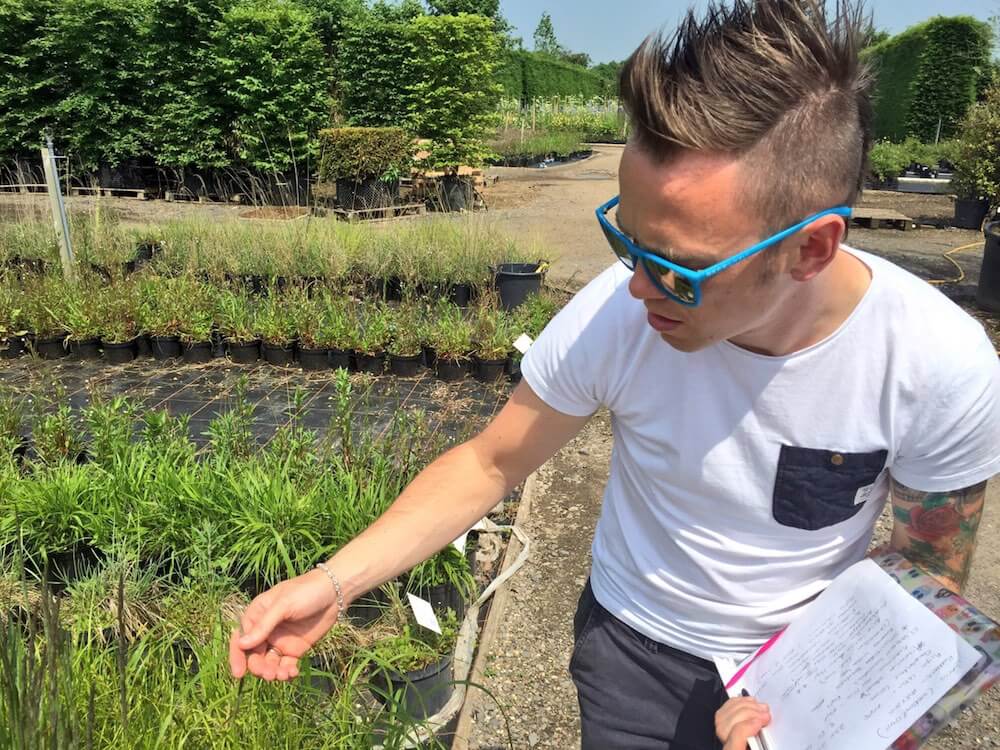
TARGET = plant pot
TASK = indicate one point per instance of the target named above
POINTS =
(50, 347)
(12, 347)
(165, 347)
(371, 363)
(450, 370)
(66, 566)
(988, 291)
(424, 691)
(406, 367)
(430, 357)
(343, 359)
(119, 353)
(218, 345)
(147, 251)
(390, 289)
(456, 193)
(143, 345)
(355, 195)
(197, 352)
(460, 294)
(281, 355)
(314, 359)
(489, 370)
(243, 352)
(516, 281)
(970, 213)
(367, 608)
(85, 348)
(442, 597)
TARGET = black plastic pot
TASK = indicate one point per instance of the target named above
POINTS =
(460, 294)
(314, 359)
(12, 347)
(243, 352)
(442, 597)
(197, 352)
(143, 346)
(516, 281)
(50, 347)
(371, 363)
(165, 347)
(218, 345)
(455, 193)
(423, 692)
(281, 355)
(450, 370)
(343, 359)
(390, 289)
(67, 566)
(988, 291)
(970, 213)
(119, 353)
(367, 608)
(514, 370)
(430, 357)
(147, 251)
(85, 348)
(489, 370)
(406, 367)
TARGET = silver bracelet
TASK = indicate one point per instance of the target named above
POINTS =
(336, 585)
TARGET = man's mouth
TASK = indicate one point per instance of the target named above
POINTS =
(661, 323)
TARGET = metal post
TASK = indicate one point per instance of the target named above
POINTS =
(58, 208)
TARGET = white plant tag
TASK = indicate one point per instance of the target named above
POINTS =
(867, 493)
(424, 613)
(460, 542)
(523, 343)
(478, 525)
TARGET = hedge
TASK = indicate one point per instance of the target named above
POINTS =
(362, 153)
(532, 75)
(935, 70)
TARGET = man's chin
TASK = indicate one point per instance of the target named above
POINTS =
(683, 345)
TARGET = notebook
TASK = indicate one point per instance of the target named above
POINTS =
(883, 658)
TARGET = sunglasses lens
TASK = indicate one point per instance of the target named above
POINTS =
(620, 248)
(675, 285)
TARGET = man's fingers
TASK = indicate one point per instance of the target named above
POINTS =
(742, 731)
(260, 626)
(237, 656)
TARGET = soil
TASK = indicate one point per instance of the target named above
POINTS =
(527, 663)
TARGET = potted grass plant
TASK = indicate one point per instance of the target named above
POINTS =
(119, 325)
(159, 314)
(404, 347)
(451, 338)
(195, 320)
(314, 347)
(44, 316)
(82, 319)
(13, 326)
(238, 325)
(277, 323)
(491, 343)
(339, 329)
(374, 335)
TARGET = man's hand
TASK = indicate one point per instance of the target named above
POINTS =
(738, 720)
(937, 530)
(281, 625)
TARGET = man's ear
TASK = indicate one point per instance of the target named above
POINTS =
(816, 246)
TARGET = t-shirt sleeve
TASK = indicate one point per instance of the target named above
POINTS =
(955, 441)
(568, 366)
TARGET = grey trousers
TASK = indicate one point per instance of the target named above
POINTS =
(637, 694)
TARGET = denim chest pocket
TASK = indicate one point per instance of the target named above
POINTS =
(816, 488)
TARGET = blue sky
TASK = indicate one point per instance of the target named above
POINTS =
(611, 29)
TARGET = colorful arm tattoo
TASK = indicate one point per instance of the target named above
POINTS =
(937, 530)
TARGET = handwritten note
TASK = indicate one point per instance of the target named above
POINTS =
(862, 663)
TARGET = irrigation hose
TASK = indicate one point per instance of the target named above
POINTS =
(465, 646)
(961, 272)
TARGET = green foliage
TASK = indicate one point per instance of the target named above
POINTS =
(273, 82)
(374, 82)
(512, 143)
(545, 36)
(487, 8)
(362, 153)
(529, 75)
(977, 164)
(929, 72)
(888, 160)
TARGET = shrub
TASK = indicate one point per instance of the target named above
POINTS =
(977, 162)
(363, 153)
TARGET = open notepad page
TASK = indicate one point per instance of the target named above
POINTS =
(861, 664)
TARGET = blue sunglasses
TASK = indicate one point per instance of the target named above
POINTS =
(677, 282)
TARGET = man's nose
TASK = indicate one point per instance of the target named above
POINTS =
(641, 286)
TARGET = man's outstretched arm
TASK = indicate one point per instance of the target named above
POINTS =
(937, 530)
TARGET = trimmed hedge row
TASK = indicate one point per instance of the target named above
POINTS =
(933, 71)
(529, 75)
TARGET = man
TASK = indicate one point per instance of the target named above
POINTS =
(762, 405)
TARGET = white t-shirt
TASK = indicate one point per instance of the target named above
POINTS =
(742, 484)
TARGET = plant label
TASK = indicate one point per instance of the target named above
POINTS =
(424, 613)
(523, 343)
(460, 542)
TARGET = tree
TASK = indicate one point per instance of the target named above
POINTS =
(545, 37)
(486, 8)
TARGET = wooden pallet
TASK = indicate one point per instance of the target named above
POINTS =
(134, 193)
(389, 212)
(25, 187)
(880, 218)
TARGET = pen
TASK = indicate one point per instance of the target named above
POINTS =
(760, 736)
